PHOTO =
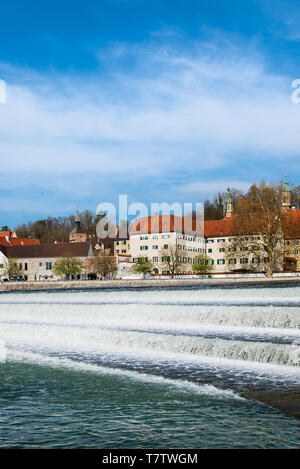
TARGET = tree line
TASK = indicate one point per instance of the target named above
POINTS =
(53, 229)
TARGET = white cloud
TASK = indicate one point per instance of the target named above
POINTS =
(213, 186)
(174, 110)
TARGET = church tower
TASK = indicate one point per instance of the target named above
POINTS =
(77, 234)
(228, 204)
(286, 196)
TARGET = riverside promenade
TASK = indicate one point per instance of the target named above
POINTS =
(151, 282)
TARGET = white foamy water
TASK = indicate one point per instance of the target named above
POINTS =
(58, 363)
(251, 329)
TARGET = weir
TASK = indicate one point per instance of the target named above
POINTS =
(178, 335)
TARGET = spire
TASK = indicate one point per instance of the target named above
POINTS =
(77, 218)
(228, 204)
(286, 197)
(77, 234)
(286, 186)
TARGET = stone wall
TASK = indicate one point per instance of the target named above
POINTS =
(161, 282)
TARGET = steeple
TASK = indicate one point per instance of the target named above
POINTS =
(228, 204)
(77, 234)
(286, 196)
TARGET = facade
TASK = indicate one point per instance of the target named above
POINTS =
(37, 261)
(152, 237)
(122, 246)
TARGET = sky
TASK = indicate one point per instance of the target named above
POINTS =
(162, 100)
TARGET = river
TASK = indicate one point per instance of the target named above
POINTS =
(150, 368)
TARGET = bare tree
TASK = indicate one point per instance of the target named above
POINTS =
(171, 260)
(104, 264)
(257, 230)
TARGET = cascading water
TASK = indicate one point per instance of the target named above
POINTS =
(244, 341)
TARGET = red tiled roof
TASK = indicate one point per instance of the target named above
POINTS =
(8, 233)
(218, 228)
(17, 241)
(162, 224)
(292, 227)
(171, 223)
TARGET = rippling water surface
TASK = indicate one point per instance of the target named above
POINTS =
(164, 368)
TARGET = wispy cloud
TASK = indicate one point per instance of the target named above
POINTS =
(214, 186)
(158, 109)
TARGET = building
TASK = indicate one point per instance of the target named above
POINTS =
(152, 235)
(77, 234)
(122, 246)
(37, 261)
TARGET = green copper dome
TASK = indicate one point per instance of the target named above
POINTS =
(285, 186)
(228, 198)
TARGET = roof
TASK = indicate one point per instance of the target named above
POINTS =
(17, 241)
(8, 233)
(163, 224)
(218, 228)
(48, 250)
(292, 227)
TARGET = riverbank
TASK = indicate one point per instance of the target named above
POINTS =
(142, 283)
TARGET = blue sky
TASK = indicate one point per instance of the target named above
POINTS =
(163, 100)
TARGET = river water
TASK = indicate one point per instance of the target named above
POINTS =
(150, 368)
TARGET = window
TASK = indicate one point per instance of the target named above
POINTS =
(143, 248)
(166, 246)
(155, 259)
(20, 266)
(255, 260)
(209, 250)
(118, 250)
(123, 251)
(25, 266)
(221, 240)
(155, 237)
(222, 250)
(155, 246)
(232, 261)
(221, 261)
(165, 236)
(48, 265)
(244, 260)
(295, 243)
(143, 237)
